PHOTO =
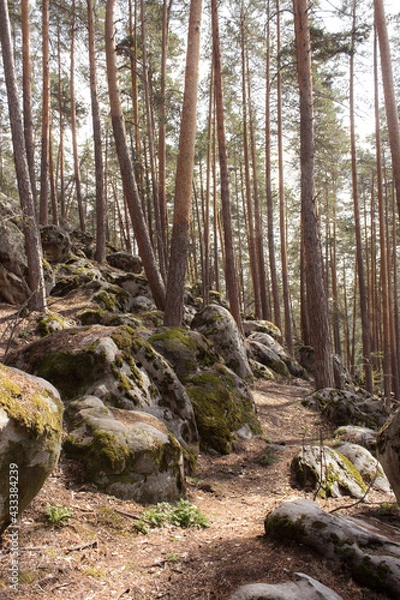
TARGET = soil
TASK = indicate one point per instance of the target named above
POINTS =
(100, 555)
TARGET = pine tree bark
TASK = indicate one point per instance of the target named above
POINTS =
(317, 304)
(27, 93)
(392, 114)
(184, 174)
(101, 205)
(33, 245)
(44, 165)
(124, 157)
(230, 268)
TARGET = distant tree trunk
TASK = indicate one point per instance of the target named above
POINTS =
(392, 114)
(61, 128)
(31, 231)
(230, 268)
(124, 157)
(44, 165)
(316, 298)
(268, 185)
(101, 206)
(249, 200)
(162, 185)
(77, 175)
(282, 200)
(184, 174)
(27, 93)
(365, 320)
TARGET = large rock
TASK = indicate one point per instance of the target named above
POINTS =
(13, 264)
(273, 346)
(56, 243)
(125, 262)
(267, 357)
(388, 450)
(373, 559)
(366, 464)
(305, 588)
(116, 365)
(30, 438)
(328, 472)
(128, 454)
(222, 402)
(217, 324)
(346, 407)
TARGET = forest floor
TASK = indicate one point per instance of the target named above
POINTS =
(100, 555)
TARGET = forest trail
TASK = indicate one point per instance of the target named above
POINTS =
(99, 555)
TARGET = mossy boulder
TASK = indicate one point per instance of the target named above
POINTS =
(358, 547)
(75, 274)
(366, 464)
(118, 366)
(263, 326)
(221, 400)
(128, 454)
(56, 243)
(328, 472)
(278, 354)
(263, 355)
(30, 438)
(217, 325)
(388, 451)
(304, 588)
(346, 407)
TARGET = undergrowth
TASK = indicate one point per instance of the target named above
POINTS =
(183, 514)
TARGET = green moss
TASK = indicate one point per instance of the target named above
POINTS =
(27, 406)
(92, 316)
(372, 575)
(71, 373)
(49, 323)
(352, 470)
(280, 527)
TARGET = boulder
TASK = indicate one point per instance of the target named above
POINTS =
(356, 434)
(217, 324)
(346, 407)
(274, 346)
(128, 454)
(222, 402)
(116, 365)
(56, 243)
(366, 464)
(328, 472)
(267, 357)
(30, 438)
(75, 274)
(305, 588)
(373, 559)
(13, 264)
(250, 327)
(388, 451)
(125, 262)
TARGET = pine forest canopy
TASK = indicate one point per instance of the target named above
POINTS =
(109, 105)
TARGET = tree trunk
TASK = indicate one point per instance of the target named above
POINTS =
(44, 165)
(33, 245)
(27, 93)
(268, 185)
(77, 174)
(184, 174)
(392, 114)
(230, 268)
(124, 157)
(316, 299)
(101, 205)
(365, 320)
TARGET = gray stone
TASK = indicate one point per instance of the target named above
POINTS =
(327, 471)
(305, 588)
(217, 324)
(346, 407)
(269, 342)
(125, 262)
(358, 546)
(126, 453)
(56, 243)
(366, 464)
(267, 357)
(388, 450)
(30, 437)
(356, 434)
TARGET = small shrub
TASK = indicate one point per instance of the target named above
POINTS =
(268, 458)
(57, 514)
(183, 514)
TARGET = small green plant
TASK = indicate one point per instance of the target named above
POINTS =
(268, 458)
(57, 514)
(172, 557)
(183, 514)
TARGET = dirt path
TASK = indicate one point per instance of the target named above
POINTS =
(98, 555)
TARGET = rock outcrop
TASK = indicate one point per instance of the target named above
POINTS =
(388, 450)
(305, 588)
